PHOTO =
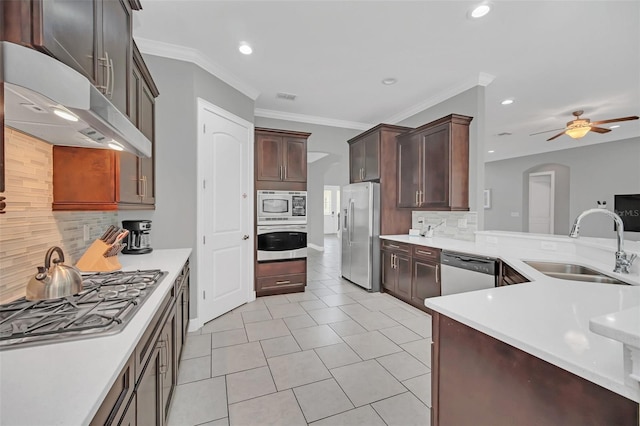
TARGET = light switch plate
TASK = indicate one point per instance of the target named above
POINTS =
(462, 223)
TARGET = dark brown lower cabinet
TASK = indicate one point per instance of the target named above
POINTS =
(410, 273)
(143, 391)
(426, 281)
(148, 392)
(479, 380)
(281, 277)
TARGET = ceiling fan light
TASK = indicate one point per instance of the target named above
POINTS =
(578, 132)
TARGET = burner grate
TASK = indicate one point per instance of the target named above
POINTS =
(107, 302)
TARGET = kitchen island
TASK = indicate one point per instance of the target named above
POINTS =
(65, 383)
(546, 318)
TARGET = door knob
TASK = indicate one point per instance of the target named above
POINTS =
(245, 237)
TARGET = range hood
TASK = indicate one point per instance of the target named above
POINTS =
(37, 88)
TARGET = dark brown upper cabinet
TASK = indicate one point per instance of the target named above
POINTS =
(433, 165)
(373, 157)
(91, 36)
(137, 175)
(281, 159)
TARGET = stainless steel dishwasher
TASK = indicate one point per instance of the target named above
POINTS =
(462, 272)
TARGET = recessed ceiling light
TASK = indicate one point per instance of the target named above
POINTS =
(65, 114)
(480, 11)
(491, 151)
(614, 127)
(245, 49)
(389, 81)
(507, 102)
(115, 145)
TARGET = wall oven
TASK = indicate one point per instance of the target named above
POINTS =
(282, 242)
(282, 207)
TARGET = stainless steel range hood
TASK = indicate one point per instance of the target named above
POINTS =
(37, 85)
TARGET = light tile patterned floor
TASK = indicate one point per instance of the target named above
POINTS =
(333, 355)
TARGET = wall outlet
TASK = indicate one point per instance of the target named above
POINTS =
(515, 214)
(462, 223)
(87, 234)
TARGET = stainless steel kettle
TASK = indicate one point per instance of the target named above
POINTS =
(53, 282)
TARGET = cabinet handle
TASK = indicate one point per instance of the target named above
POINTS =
(113, 78)
(423, 252)
(161, 346)
(105, 89)
(417, 202)
(283, 282)
(393, 246)
(362, 173)
(391, 262)
(421, 197)
(281, 172)
(437, 270)
(285, 173)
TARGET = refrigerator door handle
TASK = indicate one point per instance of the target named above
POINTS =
(351, 209)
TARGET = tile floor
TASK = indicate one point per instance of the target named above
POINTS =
(333, 355)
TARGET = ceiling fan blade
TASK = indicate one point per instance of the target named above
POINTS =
(556, 136)
(546, 131)
(615, 120)
(600, 130)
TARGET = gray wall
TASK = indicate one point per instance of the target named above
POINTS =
(472, 103)
(597, 172)
(330, 170)
(180, 84)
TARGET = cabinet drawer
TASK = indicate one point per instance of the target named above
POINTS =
(116, 401)
(282, 282)
(426, 253)
(289, 267)
(395, 246)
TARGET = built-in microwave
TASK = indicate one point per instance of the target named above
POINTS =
(280, 207)
(282, 242)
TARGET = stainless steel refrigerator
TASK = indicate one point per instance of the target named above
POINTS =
(360, 232)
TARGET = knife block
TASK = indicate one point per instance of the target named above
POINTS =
(93, 259)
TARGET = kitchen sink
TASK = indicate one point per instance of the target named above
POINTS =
(569, 271)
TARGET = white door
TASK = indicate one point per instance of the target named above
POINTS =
(225, 255)
(541, 207)
(331, 209)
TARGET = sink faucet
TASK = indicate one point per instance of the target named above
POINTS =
(623, 260)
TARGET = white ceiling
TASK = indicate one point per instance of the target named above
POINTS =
(552, 57)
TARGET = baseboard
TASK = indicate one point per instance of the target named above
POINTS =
(315, 247)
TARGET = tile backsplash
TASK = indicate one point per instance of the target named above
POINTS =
(457, 225)
(29, 226)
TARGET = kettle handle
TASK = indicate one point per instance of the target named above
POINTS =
(47, 257)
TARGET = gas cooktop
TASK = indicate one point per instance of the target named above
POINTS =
(106, 304)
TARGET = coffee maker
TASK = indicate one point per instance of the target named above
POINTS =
(138, 239)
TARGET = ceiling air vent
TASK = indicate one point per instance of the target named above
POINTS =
(286, 96)
(505, 134)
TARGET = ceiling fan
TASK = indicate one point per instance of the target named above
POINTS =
(579, 127)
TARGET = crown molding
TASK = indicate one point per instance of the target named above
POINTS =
(482, 79)
(311, 119)
(195, 56)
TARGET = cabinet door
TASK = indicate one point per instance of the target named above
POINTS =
(147, 126)
(356, 161)
(129, 178)
(372, 157)
(425, 283)
(269, 158)
(168, 366)
(66, 29)
(114, 48)
(148, 392)
(408, 171)
(436, 167)
(403, 269)
(388, 271)
(294, 160)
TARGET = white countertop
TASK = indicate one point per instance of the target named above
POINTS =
(547, 317)
(65, 383)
